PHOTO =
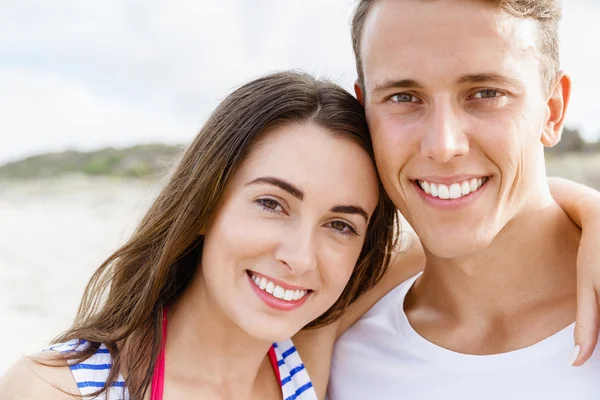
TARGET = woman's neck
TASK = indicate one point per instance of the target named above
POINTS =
(206, 350)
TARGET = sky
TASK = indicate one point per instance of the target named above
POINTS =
(84, 74)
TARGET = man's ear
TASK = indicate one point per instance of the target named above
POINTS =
(359, 93)
(556, 111)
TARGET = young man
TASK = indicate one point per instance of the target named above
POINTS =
(461, 98)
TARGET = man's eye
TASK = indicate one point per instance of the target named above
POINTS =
(404, 98)
(486, 94)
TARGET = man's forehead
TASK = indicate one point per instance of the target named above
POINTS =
(460, 36)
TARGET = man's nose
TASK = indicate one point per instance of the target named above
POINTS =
(444, 137)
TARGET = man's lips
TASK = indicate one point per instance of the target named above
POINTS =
(452, 189)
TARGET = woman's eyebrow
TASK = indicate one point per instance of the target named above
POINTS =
(280, 183)
(299, 194)
(349, 209)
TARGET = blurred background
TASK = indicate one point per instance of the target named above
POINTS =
(98, 98)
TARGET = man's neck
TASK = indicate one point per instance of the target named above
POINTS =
(516, 292)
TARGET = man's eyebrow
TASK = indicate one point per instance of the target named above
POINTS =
(397, 84)
(486, 78)
(349, 209)
(280, 183)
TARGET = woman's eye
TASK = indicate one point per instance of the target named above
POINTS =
(343, 228)
(270, 205)
(404, 98)
(486, 94)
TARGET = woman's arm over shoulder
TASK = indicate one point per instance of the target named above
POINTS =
(578, 201)
(582, 204)
(404, 265)
(30, 380)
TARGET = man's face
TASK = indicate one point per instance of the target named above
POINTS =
(457, 109)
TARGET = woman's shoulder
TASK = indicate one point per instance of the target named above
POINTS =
(93, 373)
(39, 376)
(50, 375)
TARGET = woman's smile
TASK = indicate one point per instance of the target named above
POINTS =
(277, 294)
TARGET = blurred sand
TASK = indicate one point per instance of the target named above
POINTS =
(53, 234)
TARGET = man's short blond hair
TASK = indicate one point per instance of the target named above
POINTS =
(546, 13)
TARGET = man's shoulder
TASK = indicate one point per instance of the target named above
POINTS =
(393, 299)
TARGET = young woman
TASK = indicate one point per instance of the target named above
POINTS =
(273, 221)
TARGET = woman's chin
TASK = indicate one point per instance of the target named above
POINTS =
(271, 334)
(272, 330)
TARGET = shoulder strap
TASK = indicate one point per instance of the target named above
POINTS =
(92, 374)
(158, 377)
(274, 363)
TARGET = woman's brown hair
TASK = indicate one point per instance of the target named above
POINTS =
(124, 300)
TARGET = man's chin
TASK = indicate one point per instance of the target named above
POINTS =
(455, 246)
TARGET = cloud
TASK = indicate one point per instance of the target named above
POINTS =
(45, 112)
(580, 57)
(141, 70)
(146, 70)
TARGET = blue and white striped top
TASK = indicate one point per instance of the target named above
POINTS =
(92, 373)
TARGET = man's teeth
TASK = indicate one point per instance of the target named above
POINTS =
(453, 191)
(278, 291)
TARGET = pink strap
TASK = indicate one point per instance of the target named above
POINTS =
(158, 378)
(274, 363)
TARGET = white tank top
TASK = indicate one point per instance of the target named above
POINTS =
(383, 357)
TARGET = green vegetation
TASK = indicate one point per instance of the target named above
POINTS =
(572, 158)
(572, 142)
(579, 167)
(148, 161)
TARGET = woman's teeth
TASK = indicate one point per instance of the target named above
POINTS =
(453, 191)
(278, 291)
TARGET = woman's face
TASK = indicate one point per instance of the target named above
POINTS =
(289, 231)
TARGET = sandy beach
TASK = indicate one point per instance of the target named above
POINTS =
(53, 234)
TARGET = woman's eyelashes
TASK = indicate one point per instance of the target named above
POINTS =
(271, 205)
(343, 228)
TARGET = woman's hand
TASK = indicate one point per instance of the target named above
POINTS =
(582, 204)
(588, 286)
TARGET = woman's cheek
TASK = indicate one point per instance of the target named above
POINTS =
(337, 273)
